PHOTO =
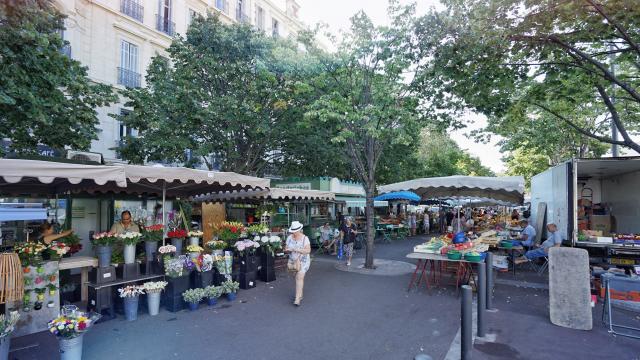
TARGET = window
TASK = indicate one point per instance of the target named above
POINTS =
(259, 18)
(223, 6)
(124, 130)
(128, 71)
(192, 15)
(275, 28)
(164, 22)
(132, 8)
(240, 14)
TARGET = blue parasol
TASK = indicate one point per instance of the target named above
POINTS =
(398, 195)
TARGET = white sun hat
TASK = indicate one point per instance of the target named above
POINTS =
(295, 226)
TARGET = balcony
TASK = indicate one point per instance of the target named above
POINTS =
(132, 8)
(66, 50)
(128, 78)
(165, 25)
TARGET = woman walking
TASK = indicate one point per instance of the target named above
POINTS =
(298, 247)
(348, 237)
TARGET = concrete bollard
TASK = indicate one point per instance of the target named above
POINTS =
(466, 326)
(482, 298)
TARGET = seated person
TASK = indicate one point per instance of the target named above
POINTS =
(554, 240)
(326, 238)
(527, 236)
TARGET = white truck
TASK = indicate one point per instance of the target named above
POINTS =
(596, 205)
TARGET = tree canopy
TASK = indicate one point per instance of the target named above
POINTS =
(46, 97)
(540, 71)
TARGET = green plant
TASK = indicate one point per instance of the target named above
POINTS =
(230, 287)
(193, 296)
(213, 292)
(7, 324)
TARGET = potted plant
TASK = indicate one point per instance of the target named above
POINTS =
(130, 295)
(194, 237)
(246, 252)
(151, 236)
(153, 290)
(231, 289)
(73, 242)
(194, 251)
(193, 297)
(103, 242)
(129, 241)
(7, 325)
(177, 235)
(212, 293)
(229, 232)
(203, 276)
(269, 246)
(217, 247)
(30, 253)
(69, 328)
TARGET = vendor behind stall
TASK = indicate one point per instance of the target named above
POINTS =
(554, 240)
(528, 235)
(47, 234)
(125, 224)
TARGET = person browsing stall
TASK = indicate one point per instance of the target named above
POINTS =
(48, 235)
(299, 248)
(125, 224)
(554, 240)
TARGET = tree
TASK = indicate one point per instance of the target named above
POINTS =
(530, 62)
(223, 95)
(46, 97)
(369, 97)
(439, 155)
(526, 162)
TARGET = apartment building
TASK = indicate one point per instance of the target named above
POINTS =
(116, 40)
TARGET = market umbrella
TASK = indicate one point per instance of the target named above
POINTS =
(269, 194)
(509, 189)
(398, 195)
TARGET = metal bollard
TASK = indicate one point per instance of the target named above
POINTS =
(466, 326)
(482, 297)
(489, 266)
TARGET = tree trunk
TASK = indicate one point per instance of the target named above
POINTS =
(369, 211)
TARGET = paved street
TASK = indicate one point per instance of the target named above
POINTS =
(344, 316)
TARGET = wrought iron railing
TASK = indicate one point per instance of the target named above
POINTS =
(165, 25)
(128, 78)
(132, 8)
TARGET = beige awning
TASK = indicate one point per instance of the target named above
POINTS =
(185, 182)
(35, 177)
(270, 194)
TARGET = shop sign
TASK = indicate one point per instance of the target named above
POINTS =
(295, 186)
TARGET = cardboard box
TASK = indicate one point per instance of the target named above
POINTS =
(601, 223)
(593, 233)
(604, 240)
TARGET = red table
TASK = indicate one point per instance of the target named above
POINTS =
(434, 263)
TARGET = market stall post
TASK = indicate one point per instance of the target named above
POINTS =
(164, 213)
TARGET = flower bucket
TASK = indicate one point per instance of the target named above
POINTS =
(150, 247)
(104, 255)
(129, 253)
(231, 296)
(177, 242)
(131, 308)
(193, 306)
(153, 303)
(212, 301)
(5, 343)
(71, 349)
(194, 240)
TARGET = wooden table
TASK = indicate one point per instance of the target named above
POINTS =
(431, 261)
(85, 263)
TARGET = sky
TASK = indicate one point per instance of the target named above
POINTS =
(336, 14)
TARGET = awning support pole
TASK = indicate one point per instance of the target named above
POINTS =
(164, 213)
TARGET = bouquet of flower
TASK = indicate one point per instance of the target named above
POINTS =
(177, 233)
(196, 233)
(228, 231)
(258, 229)
(173, 267)
(230, 287)
(8, 324)
(73, 241)
(193, 296)
(70, 326)
(130, 238)
(153, 232)
(194, 248)
(246, 246)
(216, 245)
(152, 287)
(57, 249)
(29, 249)
(213, 292)
(204, 262)
(104, 239)
(131, 291)
(167, 250)
(188, 263)
(270, 243)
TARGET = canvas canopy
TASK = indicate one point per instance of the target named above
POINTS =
(35, 177)
(270, 194)
(509, 189)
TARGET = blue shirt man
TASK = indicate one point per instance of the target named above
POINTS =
(555, 239)
(528, 235)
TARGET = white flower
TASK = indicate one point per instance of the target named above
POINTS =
(265, 239)
(256, 238)
(274, 239)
